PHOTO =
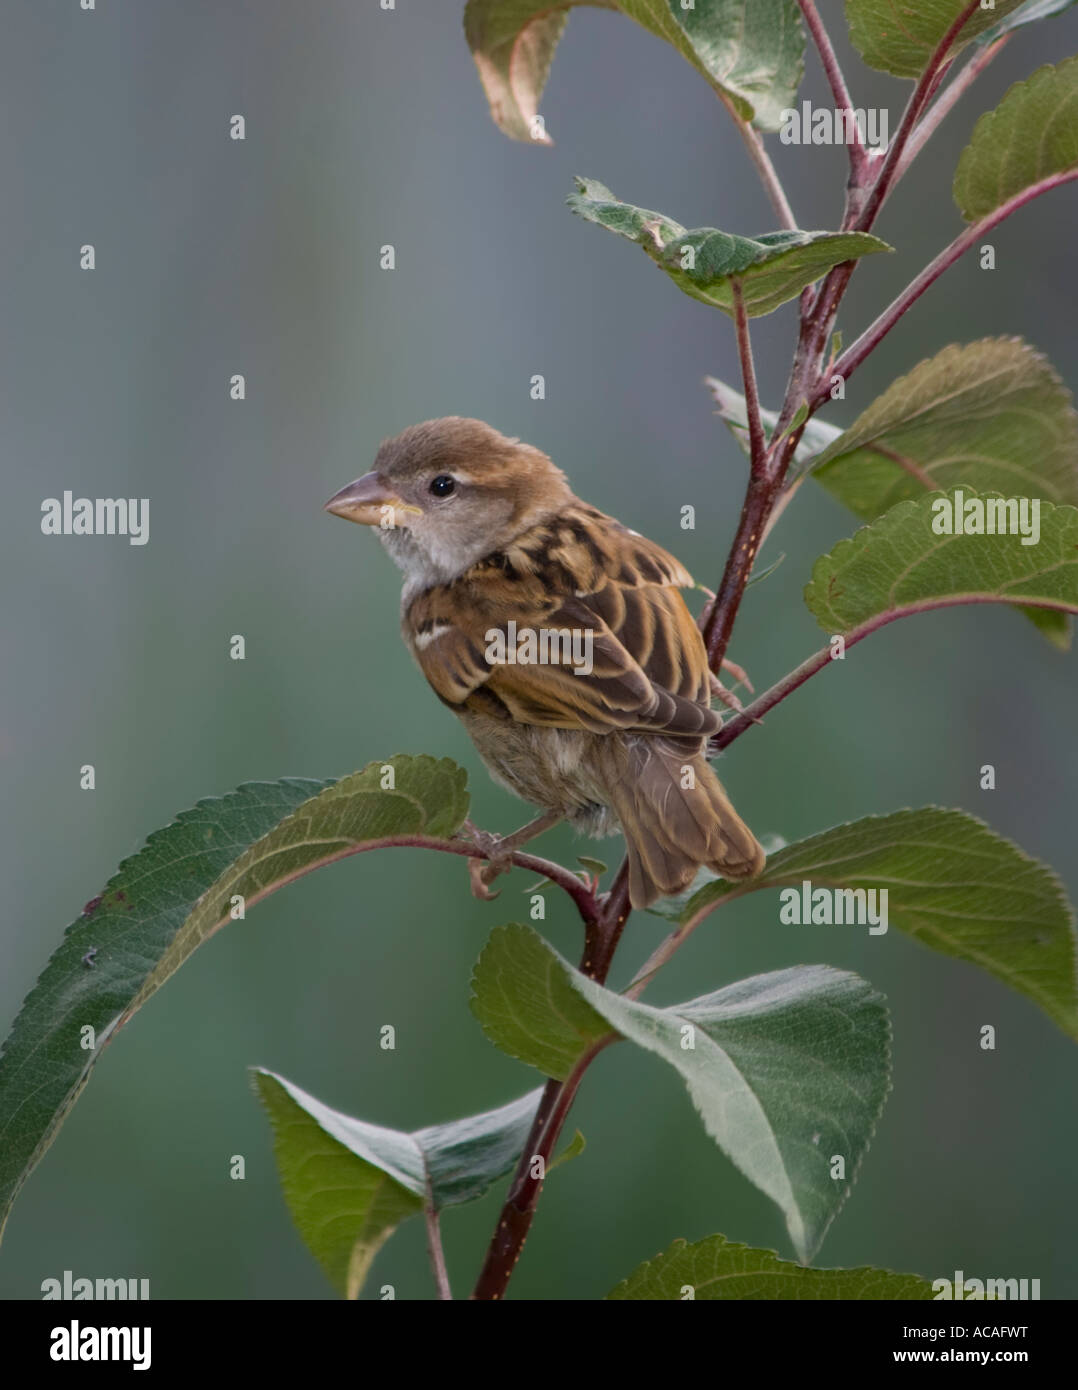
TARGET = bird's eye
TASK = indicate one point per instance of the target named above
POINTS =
(442, 485)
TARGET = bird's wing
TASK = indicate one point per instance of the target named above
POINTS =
(601, 637)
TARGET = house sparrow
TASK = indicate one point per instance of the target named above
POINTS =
(560, 639)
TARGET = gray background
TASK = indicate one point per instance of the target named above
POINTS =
(214, 257)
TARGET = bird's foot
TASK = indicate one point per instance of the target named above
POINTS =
(497, 856)
(727, 697)
(498, 850)
(739, 674)
(724, 696)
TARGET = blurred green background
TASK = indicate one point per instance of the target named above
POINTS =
(367, 127)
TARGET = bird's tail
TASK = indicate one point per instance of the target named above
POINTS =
(676, 817)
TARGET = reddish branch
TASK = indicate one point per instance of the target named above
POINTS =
(870, 183)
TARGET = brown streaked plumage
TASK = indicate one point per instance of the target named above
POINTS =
(488, 533)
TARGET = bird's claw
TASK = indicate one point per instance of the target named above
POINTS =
(724, 696)
(482, 872)
(739, 674)
(481, 875)
(727, 697)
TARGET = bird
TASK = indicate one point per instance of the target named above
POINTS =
(562, 641)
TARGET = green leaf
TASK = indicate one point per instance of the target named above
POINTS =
(349, 1184)
(527, 1006)
(787, 1070)
(717, 1268)
(800, 415)
(902, 564)
(817, 437)
(573, 1149)
(900, 36)
(166, 900)
(992, 414)
(1030, 139)
(1027, 13)
(750, 51)
(770, 269)
(952, 884)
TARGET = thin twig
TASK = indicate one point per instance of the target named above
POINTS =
(435, 1251)
(945, 102)
(766, 476)
(752, 714)
(856, 353)
(922, 92)
(758, 154)
(677, 938)
(833, 71)
(586, 902)
(757, 440)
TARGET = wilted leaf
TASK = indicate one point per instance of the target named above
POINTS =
(749, 50)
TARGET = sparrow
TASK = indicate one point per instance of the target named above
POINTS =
(561, 640)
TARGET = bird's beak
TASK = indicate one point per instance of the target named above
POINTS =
(371, 502)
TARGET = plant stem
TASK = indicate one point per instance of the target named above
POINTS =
(734, 728)
(676, 940)
(587, 903)
(856, 353)
(922, 92)
(752, 714)
(757, 441)
(519, 1209)
(766, 474)
(721, 614)
(944, 103)
(833, 71)
(767, 471)
(434, 1250)
(758, 154)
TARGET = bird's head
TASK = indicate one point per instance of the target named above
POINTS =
(446, 493)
